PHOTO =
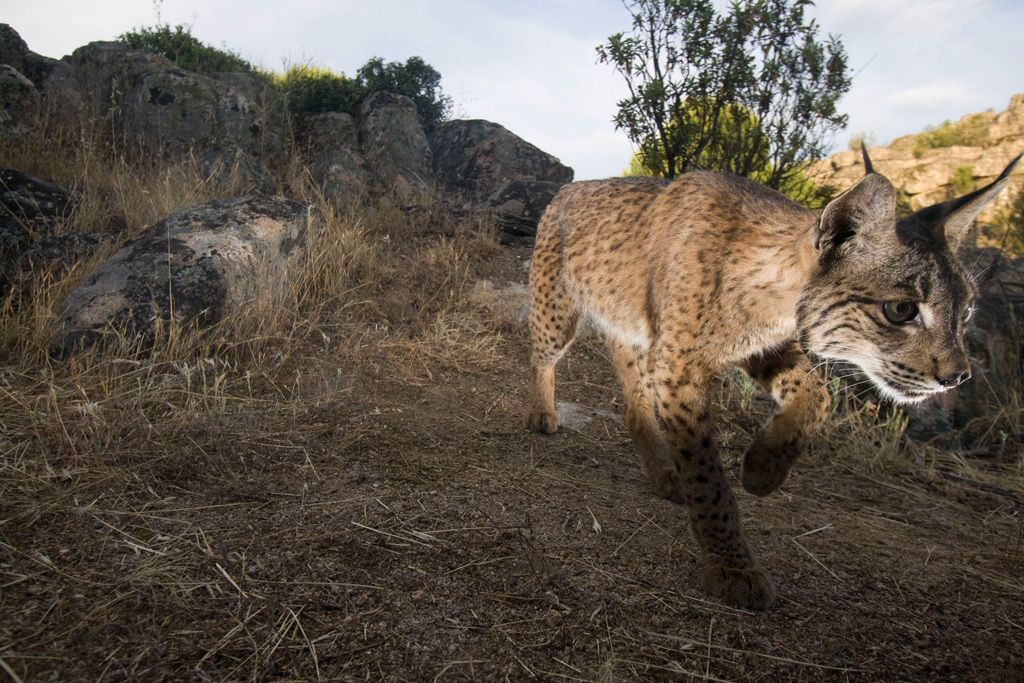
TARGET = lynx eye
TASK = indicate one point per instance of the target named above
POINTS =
(899, 312)
(969, 313)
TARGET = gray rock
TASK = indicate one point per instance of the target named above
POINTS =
(192, 269)
(29, 208)
(519, 204)
(29, 199)
(19, 103)
(156, 108)
(12, 48)
(393, 142)
(61, 252)
(14, 240)
(473, 159)
(330, 147)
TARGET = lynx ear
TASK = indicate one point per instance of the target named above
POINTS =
(864, 209)
(949, 221)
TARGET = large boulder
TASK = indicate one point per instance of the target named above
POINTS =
(29, 209)
(19, 103)
(518, 205)
(473, 159)
(331, 148)
(158, 109)
(393, 142)
(199, 266)
(12, 48)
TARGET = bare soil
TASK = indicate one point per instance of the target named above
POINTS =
(376, 511)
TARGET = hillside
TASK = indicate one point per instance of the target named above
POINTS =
(943, 162)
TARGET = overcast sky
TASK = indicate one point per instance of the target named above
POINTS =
(530, 65)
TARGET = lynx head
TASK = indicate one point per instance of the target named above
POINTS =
(890, 295)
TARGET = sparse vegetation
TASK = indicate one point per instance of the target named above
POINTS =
(970, 132)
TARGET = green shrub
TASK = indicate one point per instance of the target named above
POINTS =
(963, 180)
(313, 90)
(972, 132)
(181, 47)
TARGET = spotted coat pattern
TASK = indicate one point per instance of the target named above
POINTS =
(689, 278)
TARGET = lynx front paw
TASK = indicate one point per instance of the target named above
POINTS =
(666, 484)
(766, 466)
(543, 422)
(749, 588)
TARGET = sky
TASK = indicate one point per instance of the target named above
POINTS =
(531, 65)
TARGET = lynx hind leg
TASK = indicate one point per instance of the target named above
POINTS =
(553, 318)
(803, 406)
(631, 368)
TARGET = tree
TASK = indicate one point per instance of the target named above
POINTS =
(752, 92)
(415, 79)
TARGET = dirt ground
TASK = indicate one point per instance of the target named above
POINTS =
(398, 523)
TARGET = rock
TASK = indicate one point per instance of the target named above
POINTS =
(927, 175)
(199, 266)
(519, 204)
(393, 142)
(158, 109)
(29, 208)
(475, 158)
(14, 239)
(19, 103)
(29, 199)
(61, 252)
(12, 48)
(330, 147)
(236, 171)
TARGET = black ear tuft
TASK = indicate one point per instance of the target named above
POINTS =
(866, 209)
(868, 168)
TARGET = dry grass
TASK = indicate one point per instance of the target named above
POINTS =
(339, 489)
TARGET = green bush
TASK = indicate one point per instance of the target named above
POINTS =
(313, 90)
(963, 180)
(181, 47)
(972, 132)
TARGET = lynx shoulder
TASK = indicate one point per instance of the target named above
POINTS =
(691, 277)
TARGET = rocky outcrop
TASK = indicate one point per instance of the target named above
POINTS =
(475, 158)
(928, 175)
(192, 269)
(29, 209)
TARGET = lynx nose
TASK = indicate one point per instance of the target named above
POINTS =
(954, 379)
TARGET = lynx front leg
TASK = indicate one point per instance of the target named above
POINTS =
(729, 571)
(631, 367)
(803, 407)
(553, 318)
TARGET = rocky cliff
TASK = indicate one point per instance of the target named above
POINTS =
(929, 169)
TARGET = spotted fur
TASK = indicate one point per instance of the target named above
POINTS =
(689, 278)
